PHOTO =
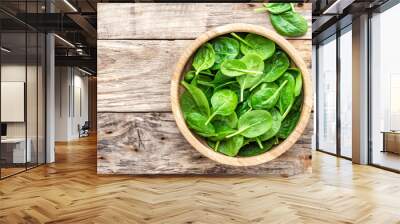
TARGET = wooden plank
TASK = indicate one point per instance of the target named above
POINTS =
(134, 75)
(150, 143)
(179, 21)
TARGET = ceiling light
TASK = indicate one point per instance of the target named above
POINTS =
(5, 50)
(84, 71)
(70, 5)
(337, 7)
(65, 41)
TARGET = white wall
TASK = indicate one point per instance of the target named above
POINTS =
(71, 102)
(16, 73)
(33, 126)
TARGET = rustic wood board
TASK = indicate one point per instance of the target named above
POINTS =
(138, 47)
(150, 143)
(129, 84)
(178, 21)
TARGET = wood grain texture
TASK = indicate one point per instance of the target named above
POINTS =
(150, 143)
(135, 75)
(178, 21)
(138, 48)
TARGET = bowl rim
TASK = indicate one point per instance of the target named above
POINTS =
(277, 150)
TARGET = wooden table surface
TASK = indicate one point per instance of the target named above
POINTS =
(138, 47)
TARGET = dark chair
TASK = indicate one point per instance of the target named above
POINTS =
(84, 130)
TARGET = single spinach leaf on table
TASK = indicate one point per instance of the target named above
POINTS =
(253, 124)
(278, 8)
(256, 44)
(253, 149)
(254, 63)
(289, 23)
(295, 72)
(225, 48)
(276, 125)
(288, 124)
(199, 98)
(266, 95)
(223, 103)
(197, 122)
(286, 98)
(231, 146)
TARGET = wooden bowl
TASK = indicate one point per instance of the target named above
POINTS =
(197, 142)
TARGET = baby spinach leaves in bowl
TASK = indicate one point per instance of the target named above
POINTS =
(241, 95)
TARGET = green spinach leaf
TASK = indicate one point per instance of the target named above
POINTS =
(288, 125)
(242, 108)
(253, 149)
(204, 58)
(221, 78)
(266, 95)
(237, 67)
(286, 98)
(197, 122)
(274, 68)
(229, 121)
(289, 23)
(231, 146)
(189, 75)
(253, 124)
(187, 104)
(259, 45)
(223, 103)
(278, 8)
(295, 72)
(255, 63)
(276, 125)
(225, 48)
(199, 98)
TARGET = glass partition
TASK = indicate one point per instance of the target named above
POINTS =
(385, 89)
(346, 92)
(32, 96)
(13, 94)
(326, 110)
(41, 111)
(23, 89)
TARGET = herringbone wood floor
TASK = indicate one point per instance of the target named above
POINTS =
(69, 191)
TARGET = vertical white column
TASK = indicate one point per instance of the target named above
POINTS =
(50, 93)
(360, 90)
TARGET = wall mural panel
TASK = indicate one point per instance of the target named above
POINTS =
(138, 48)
